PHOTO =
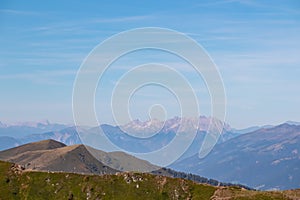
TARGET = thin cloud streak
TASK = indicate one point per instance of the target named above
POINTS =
(18, 12)
(50, 77)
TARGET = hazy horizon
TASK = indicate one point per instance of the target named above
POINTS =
(254, 44)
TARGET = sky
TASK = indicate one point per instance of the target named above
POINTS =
(255, 45)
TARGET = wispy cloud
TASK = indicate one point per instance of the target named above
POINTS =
(224, 2)
(18, 12)
(122, 19)
(49, 77)
(85, 26)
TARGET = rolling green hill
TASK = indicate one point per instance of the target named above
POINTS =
(16, 183)
(53, 156)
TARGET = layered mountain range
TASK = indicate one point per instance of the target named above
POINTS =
(268, 158)
(136, 136)
(264, 157)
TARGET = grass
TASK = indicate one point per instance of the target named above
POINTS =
(42, 185)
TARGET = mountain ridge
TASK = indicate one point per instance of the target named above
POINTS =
(266, 159)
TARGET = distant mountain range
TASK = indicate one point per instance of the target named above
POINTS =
(176, 124)
(19, 130)
(263, 157)
(67, 135)
(13, 136)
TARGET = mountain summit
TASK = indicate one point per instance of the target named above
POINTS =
(176, 124)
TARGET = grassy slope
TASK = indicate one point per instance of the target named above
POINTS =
(43, 185)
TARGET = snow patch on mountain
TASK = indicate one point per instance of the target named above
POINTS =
(176, 124)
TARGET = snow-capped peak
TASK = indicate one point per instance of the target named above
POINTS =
(185, 124)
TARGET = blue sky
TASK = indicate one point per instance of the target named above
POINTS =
(255, 44)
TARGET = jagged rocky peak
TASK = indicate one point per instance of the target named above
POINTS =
(201, 123)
